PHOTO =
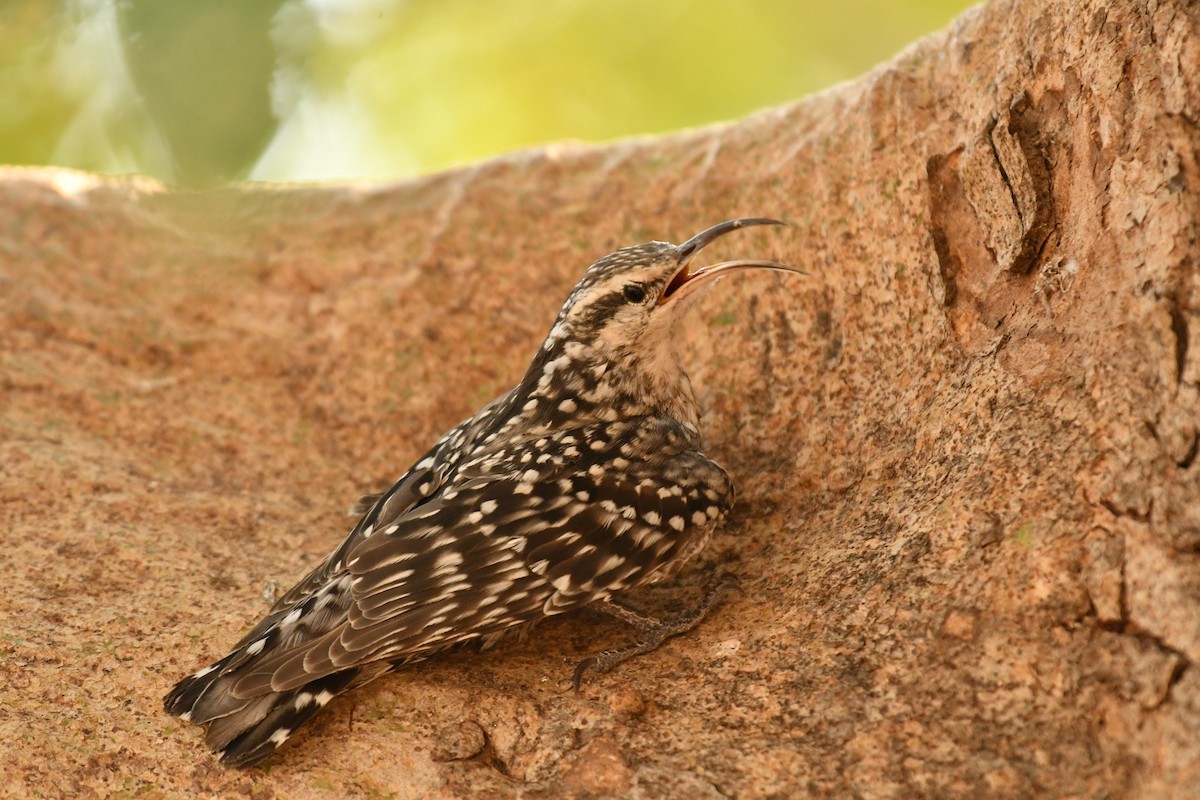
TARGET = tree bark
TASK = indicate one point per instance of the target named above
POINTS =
(969, 524)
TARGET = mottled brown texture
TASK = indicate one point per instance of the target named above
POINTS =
(969, 527)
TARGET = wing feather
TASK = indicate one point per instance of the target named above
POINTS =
(505, 548)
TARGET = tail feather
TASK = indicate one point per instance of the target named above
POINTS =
(224, 729)
(183, 701)
(244, 739)
(245, 729)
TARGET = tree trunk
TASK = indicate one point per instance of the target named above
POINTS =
(966, 443)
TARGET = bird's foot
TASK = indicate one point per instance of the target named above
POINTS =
(653, 631)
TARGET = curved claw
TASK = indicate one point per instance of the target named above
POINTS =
(653, 632)
(582, 667)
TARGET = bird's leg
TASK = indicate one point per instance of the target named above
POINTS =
(652, 631)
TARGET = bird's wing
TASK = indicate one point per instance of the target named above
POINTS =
(499, 550)
(421, 481)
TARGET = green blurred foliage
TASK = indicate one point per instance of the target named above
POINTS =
(34, 107)
(598, 70)
(203, 71)
(203, 91)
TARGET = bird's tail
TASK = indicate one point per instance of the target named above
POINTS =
(244, 730)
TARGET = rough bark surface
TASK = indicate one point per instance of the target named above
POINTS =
(969, 527)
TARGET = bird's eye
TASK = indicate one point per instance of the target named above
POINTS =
(635, 293)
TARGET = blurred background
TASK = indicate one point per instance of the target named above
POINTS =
(202, 92)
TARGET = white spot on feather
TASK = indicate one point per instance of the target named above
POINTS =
(609, 563)
(451, 558)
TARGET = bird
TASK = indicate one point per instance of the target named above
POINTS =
(584, 481)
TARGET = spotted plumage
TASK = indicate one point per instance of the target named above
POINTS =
(584, 481)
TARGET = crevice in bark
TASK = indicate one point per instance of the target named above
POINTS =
(990, 135)
(1189, 457)
(1179, 327)
(1119, 511)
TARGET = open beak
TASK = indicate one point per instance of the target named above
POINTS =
(688, 280)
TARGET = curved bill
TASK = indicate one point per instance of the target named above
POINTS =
(704, 238)
(688, 279)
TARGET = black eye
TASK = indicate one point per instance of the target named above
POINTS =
(635, 293)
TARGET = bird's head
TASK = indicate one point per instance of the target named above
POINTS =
(612, 350)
